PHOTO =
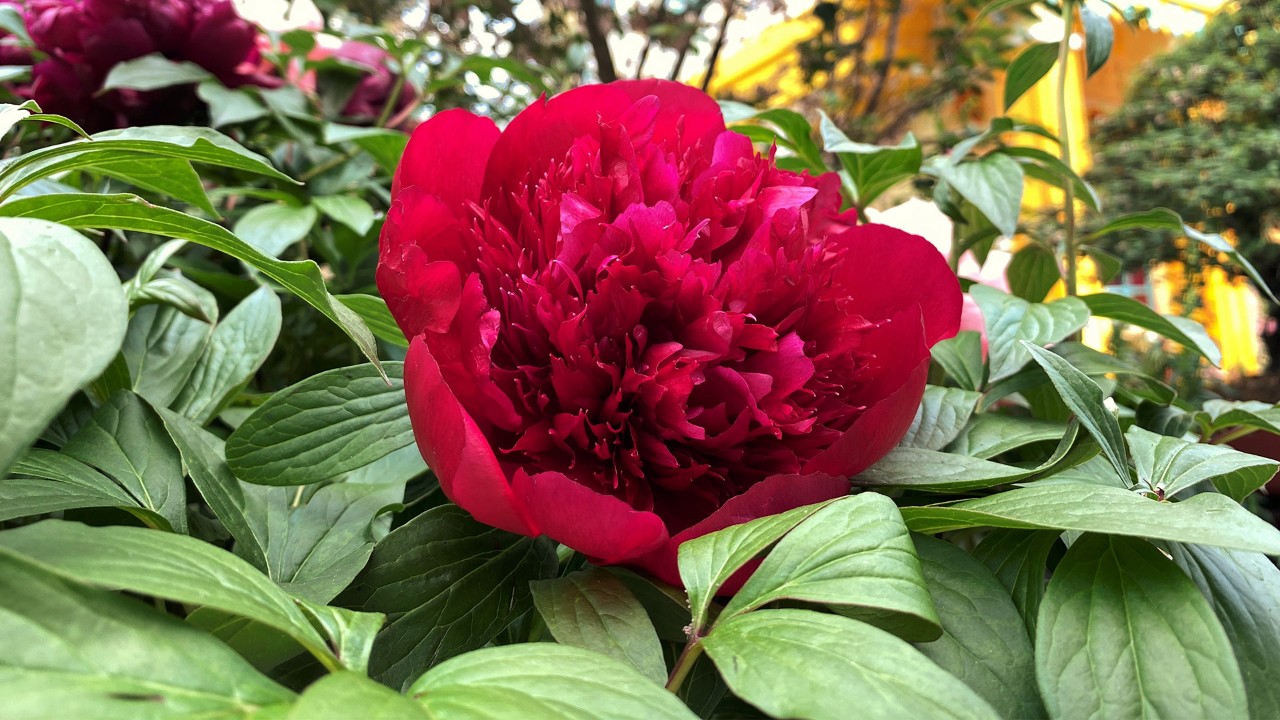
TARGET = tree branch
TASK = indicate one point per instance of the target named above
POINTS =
(598, 37)
(729, 6)
(890, 49)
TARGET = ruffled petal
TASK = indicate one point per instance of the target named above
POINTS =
(685, 113)
(602, 527)
(446, 157)
(455, 449)
(771, 496)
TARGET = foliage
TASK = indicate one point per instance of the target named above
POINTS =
(211, 505)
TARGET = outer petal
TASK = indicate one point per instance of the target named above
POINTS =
(892, 396)
(770, 496)
(601, 527)
(455, 449)
(446, 156)
(422, 293)
(685, 112)
(888, 270)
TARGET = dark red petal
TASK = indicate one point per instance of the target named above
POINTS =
(892, 395)
(770, 496)
(602, 527)
(422, 293)
(446, 156)
(888, 270)
(455, 449)
(684, 112)
(546, 129)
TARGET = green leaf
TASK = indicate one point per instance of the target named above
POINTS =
(1019, 559)
(920, 469)
(236, 349)
(1166, 219)
(542, 681)
(1190, 334)
(152, 72)
(347, 695)
(1033, 63)
(811, 666)
(961, 358)
(97, 654)
(707, 562)
(984, 641)
(1244, 591)
(128, 212)
(993, 184)
(447, 585)
(990, 434)
(229, 106)
(349, 210)
(373, 310)
(322, 427)
(1032, 273)
(173, 177)
(202, 454)
(872, 169)
(1009, 319)
(349, 633)
(202, 145)
(315, 549)
(45, 481)
(1173, 464)
(62, 319)
(179, 293)
(162, 348)
(1124, 633)
(1207, 518)
(273, 227)
(1049, 168)
(165, 565)
(593, 610)
(942, 415)
(384, 145)
(1085, 399)
(126, 440)
(854, 554)
(1222, 414)
(1098, 37)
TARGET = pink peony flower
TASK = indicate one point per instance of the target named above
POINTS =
(629, 329)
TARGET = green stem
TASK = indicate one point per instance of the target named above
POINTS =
(692, 651)
(396, 89)
(1064, 140)
(327, 165)
(1233, 435)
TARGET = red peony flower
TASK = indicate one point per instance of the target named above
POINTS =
(629, 329)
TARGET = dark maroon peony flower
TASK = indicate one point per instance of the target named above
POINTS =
(377, 82)
(85, 39)
(629, 329)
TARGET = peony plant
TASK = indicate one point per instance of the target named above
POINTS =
(624, 409)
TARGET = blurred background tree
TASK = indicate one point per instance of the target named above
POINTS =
(1200, 131)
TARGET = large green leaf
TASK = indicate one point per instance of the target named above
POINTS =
(162, 348)
(942, 415)
(707, 562)
(167, 176)
(811, 666)
(45, 481)
(350, 634)
(1027, 68)
(152, 72)
(984, 641)
(126, 440)
(1010, 319)
(349, 210)
(1123, 633)
(1086, 401)
(348, 695)
(1128, 310)
(1244, 591)
(196, 144)
(1219, 415)
(236, 349)
(373, 310)
(273, 227)
(129, 212)
(919, 469)
(1019, 559)
(961, 358)
(1098, 37)
(1032, 273)
(447, 585)
(871, 169)
(990, 434)
(592, 609)
(62, 319)
(992, 184)
(542, 681)
(228, 106)
(322, 427)
(854, 554)
(165, 565)
(77, 652)
(1169, 465)
(1207, 518)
